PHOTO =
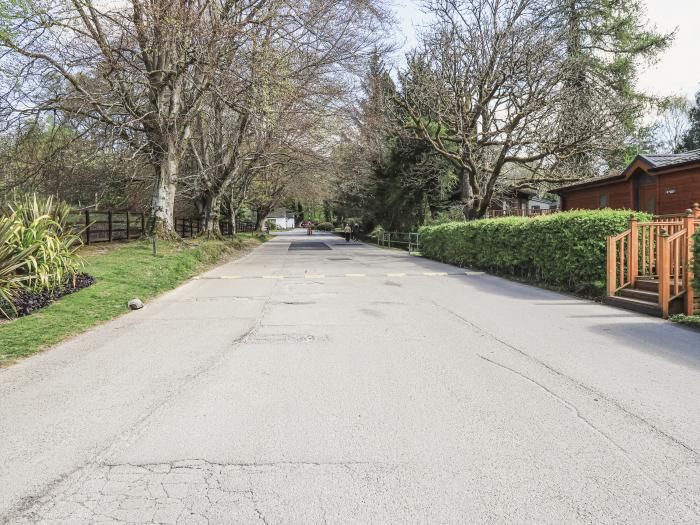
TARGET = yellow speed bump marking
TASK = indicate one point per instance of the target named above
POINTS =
(355, 275)
(273, 276)
(314, 276)
(434, 274)
(396, 275)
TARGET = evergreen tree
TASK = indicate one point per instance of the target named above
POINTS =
(607, 42)
(691, 140)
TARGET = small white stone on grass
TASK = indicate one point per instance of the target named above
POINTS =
(135, 304)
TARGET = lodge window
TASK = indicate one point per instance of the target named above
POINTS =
(603, 200)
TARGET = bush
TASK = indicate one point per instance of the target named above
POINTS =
(566, 250)
(37, 248)
(325, 226)
(376, 232)
(696, 270)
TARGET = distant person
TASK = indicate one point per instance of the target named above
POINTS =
(309, 228)
(356, 232)
(348, 232)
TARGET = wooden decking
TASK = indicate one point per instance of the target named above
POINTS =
(649, 266)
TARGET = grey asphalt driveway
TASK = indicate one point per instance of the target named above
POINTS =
(349, 384)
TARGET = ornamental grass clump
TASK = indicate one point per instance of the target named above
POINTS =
(37, 248)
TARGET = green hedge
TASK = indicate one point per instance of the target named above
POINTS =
(696, 260)
(566, 250)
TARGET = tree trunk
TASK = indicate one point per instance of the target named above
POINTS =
(212, 213)
(470, 202)
(163, 201)
(260, 215)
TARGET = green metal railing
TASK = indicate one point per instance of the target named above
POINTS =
(409, 241)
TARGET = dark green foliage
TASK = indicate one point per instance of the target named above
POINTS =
(696, 264)
(325, 226)
(691, 139)
(410, 186)
(566, 250)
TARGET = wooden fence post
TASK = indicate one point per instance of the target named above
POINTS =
(87, 226)
(109, 226)
(143, 224)
(633, 251)
(664, 271)
(191, 231)
(127, 225)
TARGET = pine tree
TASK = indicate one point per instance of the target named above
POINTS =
(607, 42)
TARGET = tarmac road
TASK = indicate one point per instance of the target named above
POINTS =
(334, 383)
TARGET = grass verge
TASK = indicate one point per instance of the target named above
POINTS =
(122, 272)
(688, 320)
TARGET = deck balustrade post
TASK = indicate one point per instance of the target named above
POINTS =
(664, 271)
(633, 251)
(611, 272)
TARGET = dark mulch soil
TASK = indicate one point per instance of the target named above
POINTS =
(28, 302)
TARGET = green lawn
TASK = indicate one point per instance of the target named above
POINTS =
(123, 272)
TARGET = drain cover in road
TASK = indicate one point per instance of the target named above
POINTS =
(308, 245)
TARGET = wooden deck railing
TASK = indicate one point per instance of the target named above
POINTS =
(620, 272)
(660, 249)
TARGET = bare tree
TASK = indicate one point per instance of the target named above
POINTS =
(673, 124)
(144, 68)
(486, 90)
(274, 94)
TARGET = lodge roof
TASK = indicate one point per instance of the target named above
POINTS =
(589, 182)
(672, 159)
(655, 163)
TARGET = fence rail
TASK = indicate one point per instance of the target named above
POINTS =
(109, 226)
(409, 241)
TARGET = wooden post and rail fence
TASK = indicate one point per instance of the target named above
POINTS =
(109, 226)
(656, 256)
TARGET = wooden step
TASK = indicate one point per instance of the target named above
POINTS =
(636, 305)
(650, 285)
(641, 294)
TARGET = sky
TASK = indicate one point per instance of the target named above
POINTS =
(676, 73)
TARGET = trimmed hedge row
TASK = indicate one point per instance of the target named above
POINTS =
(696, 260)
(567, 249)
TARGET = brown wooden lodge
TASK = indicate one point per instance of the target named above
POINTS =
(649, 266)
(659, 184)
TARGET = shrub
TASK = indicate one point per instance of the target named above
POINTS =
(37, 248)
(43, 223)
(566, 250)
(376, 232)
(696, 270)
(325, 226)
(12, 262)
